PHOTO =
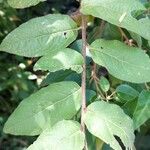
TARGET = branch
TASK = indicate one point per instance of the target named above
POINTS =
(83, 109)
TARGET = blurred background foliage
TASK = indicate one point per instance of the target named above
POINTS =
(18, 81)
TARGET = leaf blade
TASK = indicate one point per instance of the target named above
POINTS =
(66, 134)
(44, 108)
(23, 3)
(40, 35)
(122, 61)
(118, 12)
(60, 60)
(142, 110)
(126, 93)
(104, 125)
(104, 84)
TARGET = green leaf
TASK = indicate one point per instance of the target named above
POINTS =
(64, 135)
(44, 108)
(122, 61)
(41, 35)
(142, 110)
(90, 95)
(58, 76)
(129, 107)
(111, 32)
(91, 141)
(60, 60)
(23, 3)
(74, 77)
(77, 45)
(118, 12)
(104, 84)
(126, 93)
(106, 120)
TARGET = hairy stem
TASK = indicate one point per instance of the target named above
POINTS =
(83, 109)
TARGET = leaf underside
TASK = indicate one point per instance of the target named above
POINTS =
(41, 35)
(118, 12)
(106, 120)
(64, 135)
(142, 110)
(60, 60)
(44, 108)
(122, 61)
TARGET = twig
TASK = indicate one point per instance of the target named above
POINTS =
(110, 96)
(127, 40)
(123, 34)
(99, 90)
(96, 80)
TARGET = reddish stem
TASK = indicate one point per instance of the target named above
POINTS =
(83, 107)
